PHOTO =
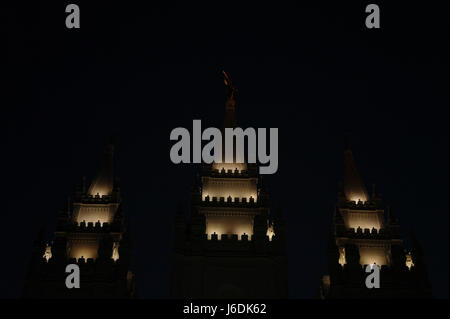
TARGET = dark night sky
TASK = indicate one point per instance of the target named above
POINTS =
(313, 71)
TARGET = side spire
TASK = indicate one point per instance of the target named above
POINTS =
(354, 188)
(103, 183)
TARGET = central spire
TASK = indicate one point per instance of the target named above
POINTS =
(229, 122)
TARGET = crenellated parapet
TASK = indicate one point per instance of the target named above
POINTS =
(231, 244)
(91, 227)
(360, 205)
(366, 233)
(249, 172)
(230, 201)
(98, 199)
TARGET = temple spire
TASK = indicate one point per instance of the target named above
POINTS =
(354, 188)
(103, 183)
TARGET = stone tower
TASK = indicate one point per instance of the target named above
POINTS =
(227, 247)
(89, 233)
(365, 232)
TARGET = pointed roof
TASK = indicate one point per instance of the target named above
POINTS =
(104, 181)
(354, 188)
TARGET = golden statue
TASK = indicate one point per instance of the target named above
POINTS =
(231, 88)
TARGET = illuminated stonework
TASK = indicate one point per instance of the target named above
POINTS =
(232, 187)
(357, 197)
(239, 190)
(94, 212)
(230, 225)
(372, 255)
(365, 219)
(409, 263)
(226, 167)
(86, 248)
(226, 247)
(342, 261)
(368, 255)
(48, 252)
(100, 192)
(115, 254)
(270, 232)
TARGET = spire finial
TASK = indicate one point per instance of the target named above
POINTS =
(230, 104)
(231, 88)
